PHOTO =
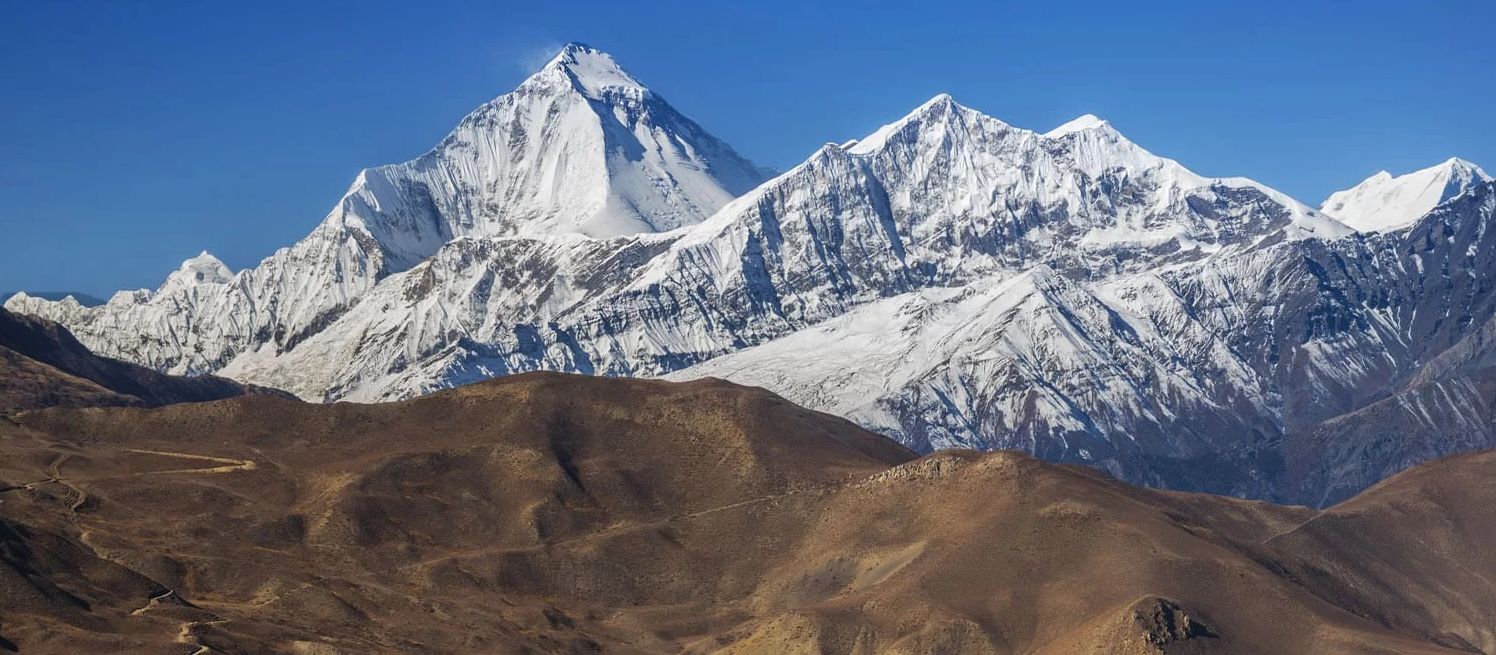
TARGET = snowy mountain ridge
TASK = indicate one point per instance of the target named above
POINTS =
(941, 197)
(1242, 363)
(949, 280)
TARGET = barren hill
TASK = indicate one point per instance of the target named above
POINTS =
(557, 513)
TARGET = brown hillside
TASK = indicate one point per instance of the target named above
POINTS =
(553, 513)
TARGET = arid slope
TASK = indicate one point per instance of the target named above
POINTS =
(562, 513)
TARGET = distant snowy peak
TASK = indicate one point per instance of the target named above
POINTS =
(1084, 122)
(939, 110)
(1086, 170)
(1097, 147)
(943, 119)
(202, 269)
(1088, 144)
(1384, 202)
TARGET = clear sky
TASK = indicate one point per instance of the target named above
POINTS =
(133, 135)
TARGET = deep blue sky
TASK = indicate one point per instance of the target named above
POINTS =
(133, 135)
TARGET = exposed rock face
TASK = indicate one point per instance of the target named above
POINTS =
(1163, 623)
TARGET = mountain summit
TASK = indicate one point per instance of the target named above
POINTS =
(202, 269)
(1383, 202)
(579, 150)
(1082, 122)
(593, 71)
(579, 147)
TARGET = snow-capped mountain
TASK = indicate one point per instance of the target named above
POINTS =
(1382, 202)
(949, 279)
(581, 147)
(940, 197)
(1246, 372)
